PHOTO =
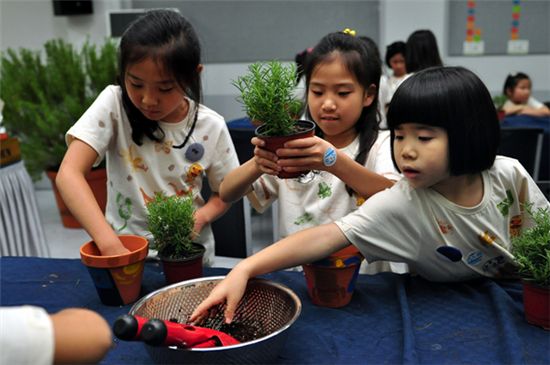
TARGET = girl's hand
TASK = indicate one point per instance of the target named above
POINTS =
(230, 290)
(200, 222)
(265, 161)
(304, 154)
(114, 249)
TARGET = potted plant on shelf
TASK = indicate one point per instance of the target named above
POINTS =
(267, 93)
(499, 101)
(170, 219)
(45, 92)
(531, 249)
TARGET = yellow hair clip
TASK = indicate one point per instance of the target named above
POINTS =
(349, 31)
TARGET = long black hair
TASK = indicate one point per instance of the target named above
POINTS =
(364, 63)
(168, 38)
(421, 51)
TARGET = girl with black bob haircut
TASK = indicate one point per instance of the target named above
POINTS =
(155, 135)
(448, 220)
(456, 100)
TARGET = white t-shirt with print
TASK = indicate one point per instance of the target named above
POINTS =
(135, 173)
(440, 240)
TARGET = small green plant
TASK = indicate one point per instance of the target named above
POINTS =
(267, 93)
(170, 219)
(531, 248)
(45, 93)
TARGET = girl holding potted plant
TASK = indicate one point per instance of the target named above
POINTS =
(154, 133)
(349, 158)
(452, 216)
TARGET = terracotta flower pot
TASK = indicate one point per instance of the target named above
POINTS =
(536, 303)
(117, 278)
(176, 270)
(331, 281)
(272, 143)
(98, 183)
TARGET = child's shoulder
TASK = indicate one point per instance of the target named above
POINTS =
(207, 113)
(507, 166)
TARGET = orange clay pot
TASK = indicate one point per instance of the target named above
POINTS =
(117, 279)
(97, 179)
(331, 281)
(273, 143)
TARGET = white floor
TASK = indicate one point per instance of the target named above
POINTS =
(65, 242)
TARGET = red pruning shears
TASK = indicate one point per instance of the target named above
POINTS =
(157, 332)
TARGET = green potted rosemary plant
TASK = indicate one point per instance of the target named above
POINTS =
(170, 219)
(45, 92)
(531, 249)
(267, 93)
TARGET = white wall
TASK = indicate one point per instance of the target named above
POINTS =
(29, 23)
(399, 18)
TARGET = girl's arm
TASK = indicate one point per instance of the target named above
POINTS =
(78, 197)
(302, 247)
(543, 111)
(208, 213)
(308, 154)
(238, 182)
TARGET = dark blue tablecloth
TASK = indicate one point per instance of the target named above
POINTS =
(391, 319)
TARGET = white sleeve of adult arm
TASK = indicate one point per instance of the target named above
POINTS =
(26, 336)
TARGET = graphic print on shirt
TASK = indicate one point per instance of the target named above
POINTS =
(135, 162)
(180, 192)
(124, 209)
(515, 225)
(165, 146)
(325, 191)
(504, 206)
(304, 218)
(444, 226)
(194, 171)
(359, 200)
(487, 238)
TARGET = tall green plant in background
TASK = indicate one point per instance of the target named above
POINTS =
(45, 92)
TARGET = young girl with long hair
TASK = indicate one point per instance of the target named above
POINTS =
(342, 78)
(154, 134)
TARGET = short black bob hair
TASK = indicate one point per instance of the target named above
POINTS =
(455, 99)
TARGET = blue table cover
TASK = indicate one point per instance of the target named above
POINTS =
(392, 319)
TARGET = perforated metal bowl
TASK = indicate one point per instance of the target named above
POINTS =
(261, 321)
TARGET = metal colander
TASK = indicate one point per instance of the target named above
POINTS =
(265, 312)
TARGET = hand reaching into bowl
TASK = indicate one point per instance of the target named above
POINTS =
(230, 290)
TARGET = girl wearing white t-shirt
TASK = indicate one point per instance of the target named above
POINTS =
(451, 217)
(154, 134)
(342, 91)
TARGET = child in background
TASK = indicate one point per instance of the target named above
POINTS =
(451, 216)
(29, 335)
(342, 87)
(154, 133)
(395, 60)
(517, 89)
(421, 51)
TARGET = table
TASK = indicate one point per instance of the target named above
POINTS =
(21, 232)
(391, 319)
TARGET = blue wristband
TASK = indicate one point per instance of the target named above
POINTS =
(329, 158)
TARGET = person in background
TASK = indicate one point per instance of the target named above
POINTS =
(451, 216)
(421, 51)
(29, 335)
(342, 78)
(395, 61)
(154, 133)
(517, 88)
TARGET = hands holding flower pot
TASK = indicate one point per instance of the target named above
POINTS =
(304, 154)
